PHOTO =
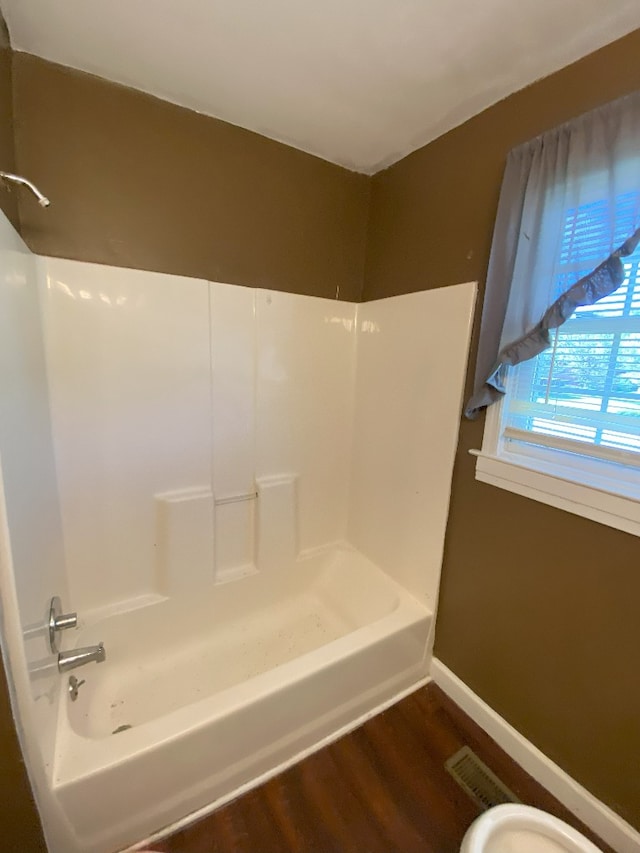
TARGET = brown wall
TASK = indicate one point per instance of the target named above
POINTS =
(538, 608)
(20, 829)
(7, 151)
(137, 182)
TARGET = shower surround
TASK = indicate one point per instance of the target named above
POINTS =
(247, 494)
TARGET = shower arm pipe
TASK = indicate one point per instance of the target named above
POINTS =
(43, 201)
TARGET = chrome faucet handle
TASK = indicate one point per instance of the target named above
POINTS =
(59, 621)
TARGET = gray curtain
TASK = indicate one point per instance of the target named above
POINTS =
(594, 159)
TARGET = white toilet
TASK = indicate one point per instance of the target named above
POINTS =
(515, 828)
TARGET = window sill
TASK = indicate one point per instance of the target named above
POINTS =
(593, 502)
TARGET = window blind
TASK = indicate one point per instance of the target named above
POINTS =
(582, 394)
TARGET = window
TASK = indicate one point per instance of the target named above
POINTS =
(568, 429)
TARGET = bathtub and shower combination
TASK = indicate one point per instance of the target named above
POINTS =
(243, 494)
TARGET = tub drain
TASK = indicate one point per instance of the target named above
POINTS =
(121, 729)
(477, 780)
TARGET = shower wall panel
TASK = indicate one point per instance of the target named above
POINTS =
(233, 360)
(129, 368)
(31, 556)
(202, 431)
(305, 406)
(412, 356)
(207, 431)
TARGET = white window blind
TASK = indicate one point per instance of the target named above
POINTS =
(582, 395)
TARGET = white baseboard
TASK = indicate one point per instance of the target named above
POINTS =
(609, 826)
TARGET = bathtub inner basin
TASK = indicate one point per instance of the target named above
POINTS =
(180, 651)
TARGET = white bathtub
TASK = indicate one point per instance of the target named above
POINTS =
(223, 688)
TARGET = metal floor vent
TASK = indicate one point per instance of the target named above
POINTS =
(478, 781)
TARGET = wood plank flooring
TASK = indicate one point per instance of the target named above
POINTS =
(382, 788)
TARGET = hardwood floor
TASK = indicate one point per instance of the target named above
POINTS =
(380, 789)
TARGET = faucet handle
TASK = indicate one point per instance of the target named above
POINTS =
(59, 621)
(65, 620)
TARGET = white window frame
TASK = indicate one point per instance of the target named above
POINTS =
(601, 491)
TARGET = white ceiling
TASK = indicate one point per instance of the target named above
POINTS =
(357, 82)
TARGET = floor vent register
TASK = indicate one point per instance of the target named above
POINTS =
(477, 780)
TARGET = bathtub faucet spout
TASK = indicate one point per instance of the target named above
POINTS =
(78, 657)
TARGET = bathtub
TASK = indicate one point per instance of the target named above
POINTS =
(202, 696)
